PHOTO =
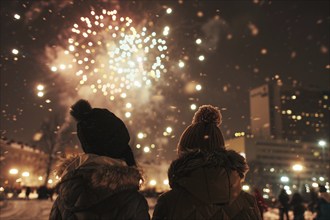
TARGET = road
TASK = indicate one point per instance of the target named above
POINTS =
(39, 210)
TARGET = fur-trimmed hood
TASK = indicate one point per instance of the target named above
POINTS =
(213, 177)
(88, 179)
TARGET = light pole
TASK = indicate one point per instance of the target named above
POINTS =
(322, 144)
(297, 168)
(12, 174)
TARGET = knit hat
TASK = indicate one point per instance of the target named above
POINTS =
(322, 188)
(101, 132)
(204, 133)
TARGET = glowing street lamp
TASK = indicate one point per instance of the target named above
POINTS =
(322, 143)
(284, 179)
(246, 187)
(13, 171)
(153, 182)
(297, 168)
(25, 174)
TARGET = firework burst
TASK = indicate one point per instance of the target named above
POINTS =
(113, 57)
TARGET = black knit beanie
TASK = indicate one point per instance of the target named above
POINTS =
(101, 132)
(204, 133)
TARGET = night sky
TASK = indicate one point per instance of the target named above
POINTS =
(216, 51)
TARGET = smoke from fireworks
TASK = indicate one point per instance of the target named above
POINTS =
(107, 54)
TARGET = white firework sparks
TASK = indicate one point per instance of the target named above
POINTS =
(113, 57)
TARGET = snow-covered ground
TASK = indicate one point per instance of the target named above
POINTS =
(39, 210)
(25, 209)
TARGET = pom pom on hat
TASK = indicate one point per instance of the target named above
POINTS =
(207, 114)
(204, 133)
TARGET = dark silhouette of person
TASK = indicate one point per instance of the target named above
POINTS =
(42, 192)
(27, 192)
(103, 182)
(50, 192)
(313, 200)
(297, 204)
(261, 202)
(284, 199)
(323, 204)
(206, 178)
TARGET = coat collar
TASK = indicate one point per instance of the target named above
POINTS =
(107, 172)
(211, 177)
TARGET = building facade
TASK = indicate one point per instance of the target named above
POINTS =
(21, 165)
(278, 163)
(290, 113)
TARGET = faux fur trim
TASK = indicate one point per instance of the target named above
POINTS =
(76, 161)
(106, 172)
(228, 159)
(115, 177)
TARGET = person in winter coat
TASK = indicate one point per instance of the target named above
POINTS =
(103, 182)
(206, 179)
(284, 206)
(261, 202)
(323, 204)
(27, 192)
(298, 206)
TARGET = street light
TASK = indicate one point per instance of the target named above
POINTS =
(284, 179)
(13, 171)
(25, 174)
(246, 187)
(322, 143)
(297, 168)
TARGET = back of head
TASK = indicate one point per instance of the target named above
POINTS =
(204, 133)
(101, 132)
(296, 198)
(322, 189)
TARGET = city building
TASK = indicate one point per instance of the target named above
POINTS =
(21, 165)
(277, 163)
(290, 113)
(287, 145)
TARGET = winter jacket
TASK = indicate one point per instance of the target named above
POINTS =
(97, 187)
(205, 186)
(284, 199)
(323, 207)
(298, 207)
